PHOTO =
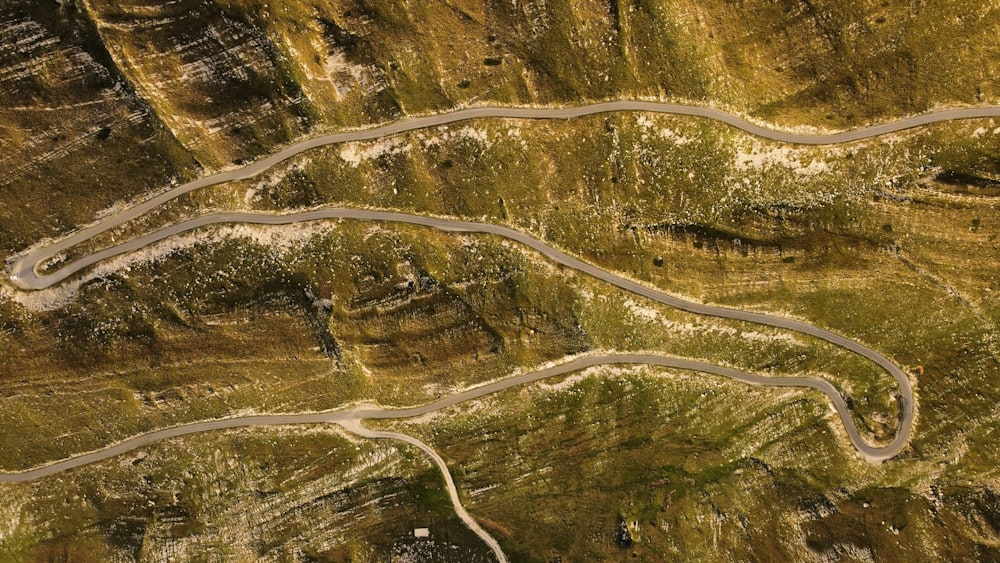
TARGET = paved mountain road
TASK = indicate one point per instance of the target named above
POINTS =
(23, 268)
(356, 427)
(362, 413)
(870, 452)
(24, 275)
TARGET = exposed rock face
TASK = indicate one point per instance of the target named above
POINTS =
(428, 328)
(216, 78)
(65, 114)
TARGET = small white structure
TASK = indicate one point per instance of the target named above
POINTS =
(421, 532)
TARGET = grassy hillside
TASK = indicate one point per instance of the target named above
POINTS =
(891, 242)
(859, 240)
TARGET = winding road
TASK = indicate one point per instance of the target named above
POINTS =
(363, 413)
(351, 420)
(23, 269)
(25, 276)
(874, 453)
(358, 428)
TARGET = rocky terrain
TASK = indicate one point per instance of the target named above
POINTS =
(892, 242)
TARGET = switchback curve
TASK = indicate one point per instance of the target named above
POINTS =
(372, 413)
(24, 267)
(872, 452)
(24, 275)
